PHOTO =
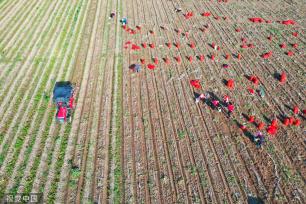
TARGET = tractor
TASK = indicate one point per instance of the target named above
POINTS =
(63, 97)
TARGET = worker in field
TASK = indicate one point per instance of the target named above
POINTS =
(261, 91)
(216, 104)
(226, 100)
(137, 67)
(200, 97)
(112, 15)
(230, 109)
(259, 139)
(124, 21)
(178, 9)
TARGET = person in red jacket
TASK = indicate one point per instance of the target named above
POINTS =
(62, 113)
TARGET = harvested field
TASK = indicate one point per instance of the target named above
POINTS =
(154, 136)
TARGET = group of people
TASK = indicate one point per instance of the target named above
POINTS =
(229, 107)
(216, 104)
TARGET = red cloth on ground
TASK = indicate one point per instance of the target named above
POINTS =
(251, 119)
(297, 122)
(290, 53)
(251, 91)
(135, 47)
(206, 14)
(155, 60)
(272, 130)
(283, 77)
(151, 66)
(288, 22)
(286, 121)
(256, 20)
(295, 109)
(230, 83)
(267, 55)
(261, 125)
(196, 84)
(274, 123)
(283, 45)
(167, 60)
(227, 56)
(291, 119)
(152, 45)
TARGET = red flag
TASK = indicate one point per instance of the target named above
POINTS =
(144, 45)
(195, 83)
(142, 61)
(239, 56)
(178, 59)
(295, 45)
(212, 57)
(295, 34)
(168, 45)
(201, 58)
(190, 59)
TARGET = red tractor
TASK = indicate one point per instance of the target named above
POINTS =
(63, 97)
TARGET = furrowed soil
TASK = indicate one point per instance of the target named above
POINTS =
(141, 137)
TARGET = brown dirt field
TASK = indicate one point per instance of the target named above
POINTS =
(140, 137)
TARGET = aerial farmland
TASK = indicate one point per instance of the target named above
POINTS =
(152, 101)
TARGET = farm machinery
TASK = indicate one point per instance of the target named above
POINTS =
(63, 97)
